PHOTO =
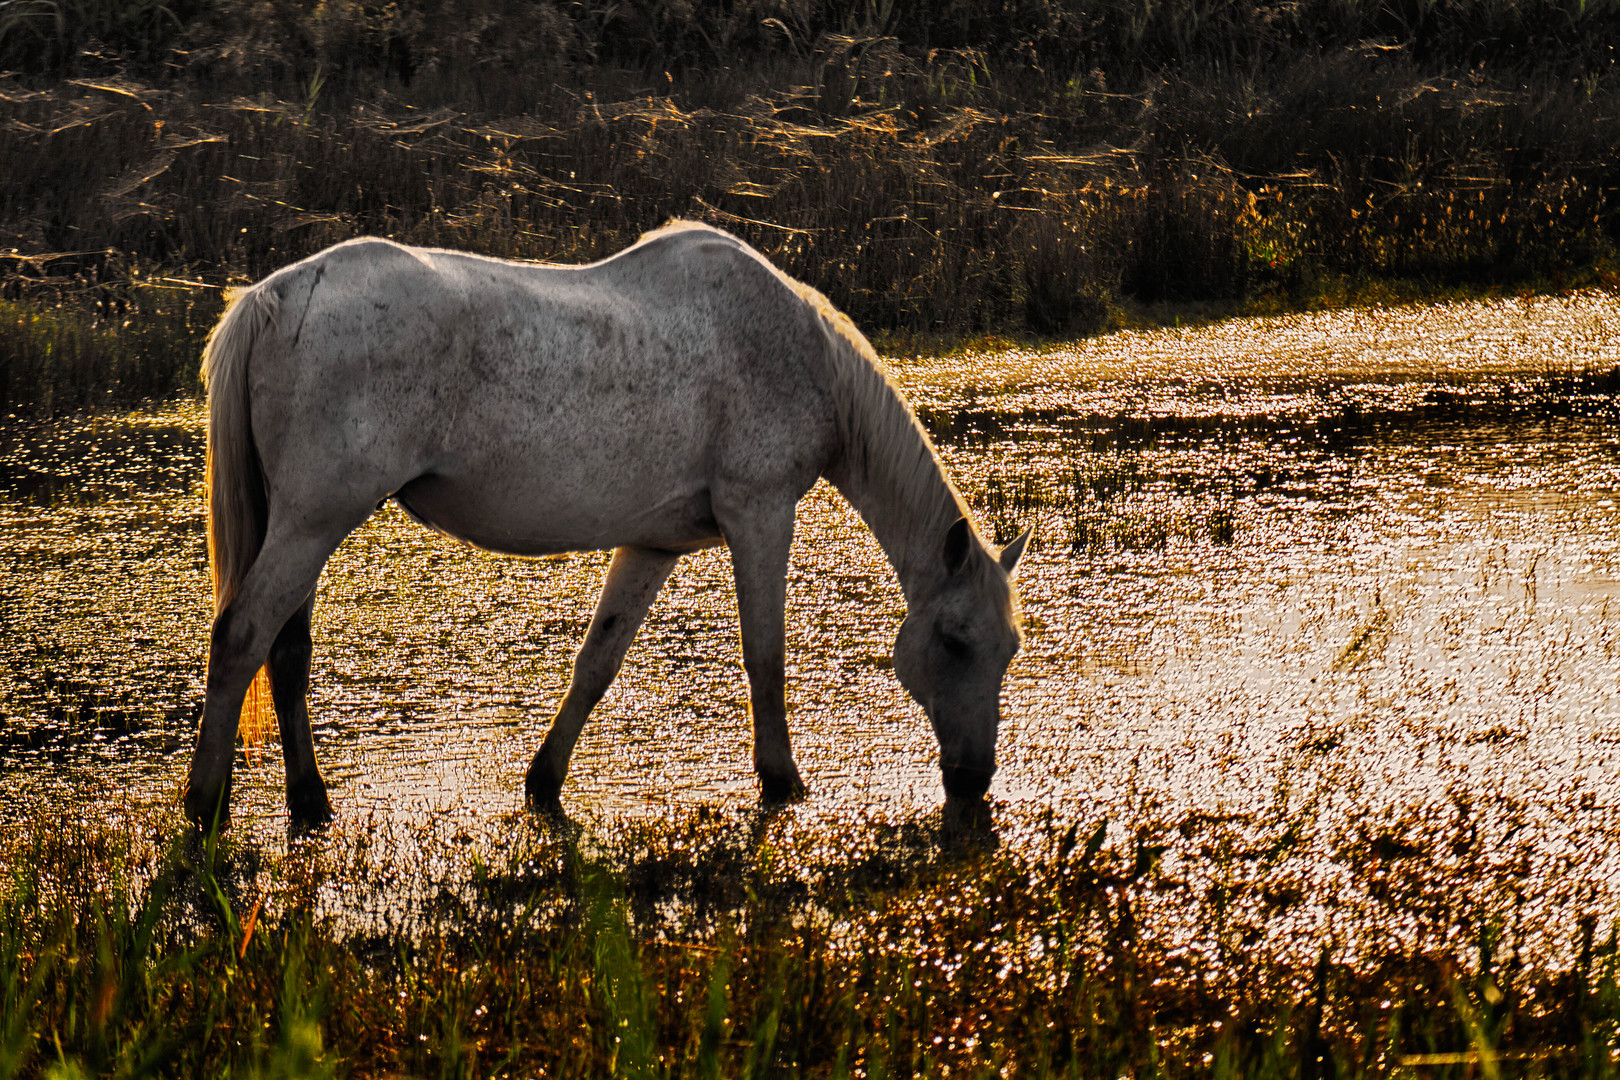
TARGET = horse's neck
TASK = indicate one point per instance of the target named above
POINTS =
(891, 475)
(915, 552)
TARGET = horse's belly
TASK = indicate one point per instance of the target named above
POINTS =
(538, 523)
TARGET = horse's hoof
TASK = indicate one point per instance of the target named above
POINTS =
(308, 807)
(543, 794)
(775, 788)
(542, 787)
(550, 815)
(206, 807)
(966, 782)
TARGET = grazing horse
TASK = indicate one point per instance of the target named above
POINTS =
(681, 394)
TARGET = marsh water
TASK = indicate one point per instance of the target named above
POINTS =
(1323, 594)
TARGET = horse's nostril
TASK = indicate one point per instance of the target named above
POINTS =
(965, 781)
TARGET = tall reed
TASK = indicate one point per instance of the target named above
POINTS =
(929, 169)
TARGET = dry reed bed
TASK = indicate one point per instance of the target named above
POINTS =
(918, 191)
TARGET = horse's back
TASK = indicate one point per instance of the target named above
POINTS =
(465, 319)
(533, 408)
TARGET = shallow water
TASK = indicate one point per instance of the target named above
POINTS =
(1307, 592)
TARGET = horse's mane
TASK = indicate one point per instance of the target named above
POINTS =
(887, 453)
(888, 458)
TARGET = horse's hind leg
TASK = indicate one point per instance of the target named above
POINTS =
(633, 580)
(289, 686)
(281, 580)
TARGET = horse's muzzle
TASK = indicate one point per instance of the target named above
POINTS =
(966, 781)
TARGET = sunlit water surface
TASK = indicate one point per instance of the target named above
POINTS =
(1321, 592)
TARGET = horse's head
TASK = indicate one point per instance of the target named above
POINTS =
(953, 651)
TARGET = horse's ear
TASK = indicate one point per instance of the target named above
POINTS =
(1015, 551)
(958, 539)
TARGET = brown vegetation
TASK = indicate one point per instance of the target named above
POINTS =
(939, 170)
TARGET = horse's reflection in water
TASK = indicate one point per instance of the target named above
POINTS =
(706, 864)
(968, 824)
(679, 395)
(695, 871)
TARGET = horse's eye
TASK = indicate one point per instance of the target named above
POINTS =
(955, 646)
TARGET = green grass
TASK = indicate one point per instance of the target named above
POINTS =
(697, 948)
(69, 355)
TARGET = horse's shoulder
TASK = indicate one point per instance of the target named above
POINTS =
(680, 232)
(688, 241)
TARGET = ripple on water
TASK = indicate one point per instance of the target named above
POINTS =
(1323, 594)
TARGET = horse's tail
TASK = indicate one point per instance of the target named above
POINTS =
(237, 505)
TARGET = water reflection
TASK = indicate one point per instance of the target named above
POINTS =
(1324, 594)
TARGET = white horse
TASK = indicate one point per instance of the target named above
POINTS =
(681, 394)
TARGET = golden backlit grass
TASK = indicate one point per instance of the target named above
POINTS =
(717, 945)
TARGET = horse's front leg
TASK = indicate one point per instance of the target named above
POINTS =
(633, 580)
(759, 544)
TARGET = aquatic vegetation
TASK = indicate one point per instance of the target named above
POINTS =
(1330, 797)
(1108, 502)
(708, 946)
